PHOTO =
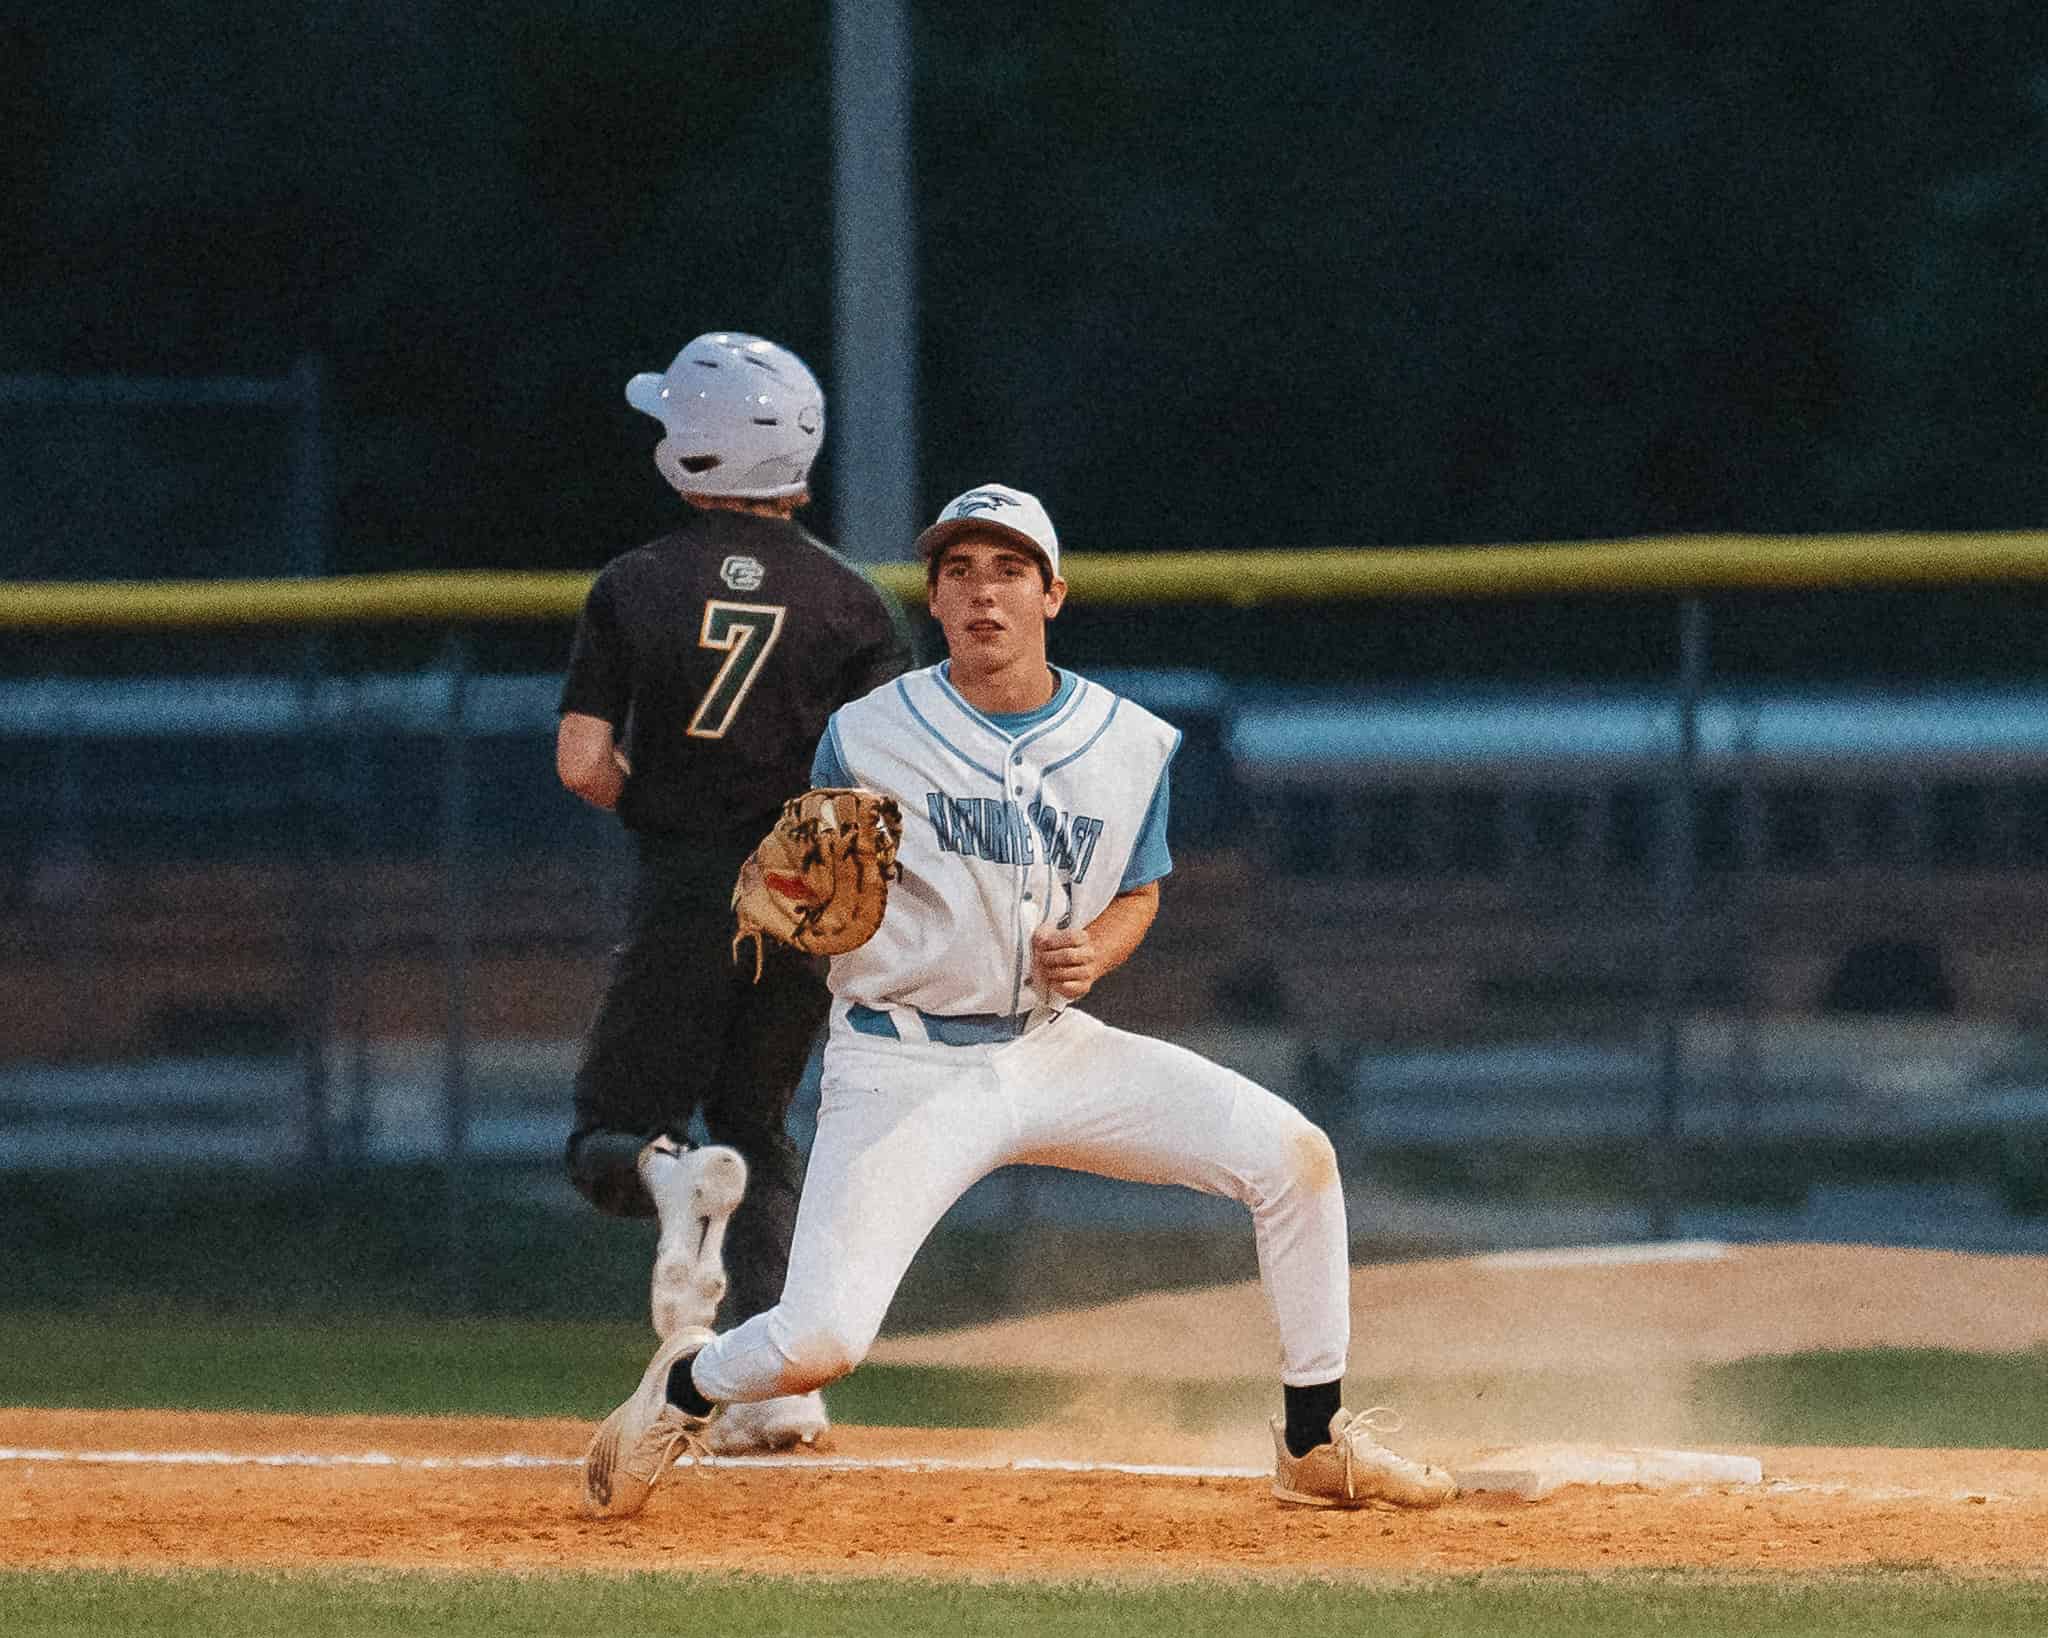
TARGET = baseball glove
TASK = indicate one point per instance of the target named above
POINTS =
(819, 881)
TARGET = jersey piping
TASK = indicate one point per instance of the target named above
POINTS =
(1088, 744)
(925, 723)
(1018, 739)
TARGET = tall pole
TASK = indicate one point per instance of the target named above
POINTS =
(1676, 883)
(873, 394)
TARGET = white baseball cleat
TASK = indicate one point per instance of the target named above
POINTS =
(634, 1445)
(1354, 1469)
(768, 1424)
(695, 1192)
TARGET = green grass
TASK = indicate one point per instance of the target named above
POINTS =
(223, 1605)
(1913, 1397)
(333, 1293)
(1901, 1397)
(426, 1368)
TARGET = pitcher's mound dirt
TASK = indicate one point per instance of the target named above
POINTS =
(252, 1490)
(1637, 1307)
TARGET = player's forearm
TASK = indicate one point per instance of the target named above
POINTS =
(587, 760)
(601, 789)
(1121, 927)
(1066, 961)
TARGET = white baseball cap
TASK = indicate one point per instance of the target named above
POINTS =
(998, 509)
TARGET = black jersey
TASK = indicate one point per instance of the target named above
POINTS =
(717, 653)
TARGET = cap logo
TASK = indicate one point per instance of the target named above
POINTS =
(981, 500)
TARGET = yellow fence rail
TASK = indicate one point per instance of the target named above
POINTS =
(1677, 564)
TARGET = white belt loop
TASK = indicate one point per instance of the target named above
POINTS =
(909, 1025)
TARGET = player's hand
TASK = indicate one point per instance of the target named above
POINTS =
(619, 761)
(1065, 962)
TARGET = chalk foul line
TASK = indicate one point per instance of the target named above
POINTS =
(517, 1460)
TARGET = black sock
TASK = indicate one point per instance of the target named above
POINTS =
(1308, 1415)
(682, 1392)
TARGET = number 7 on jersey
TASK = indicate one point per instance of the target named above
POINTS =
(747, 632)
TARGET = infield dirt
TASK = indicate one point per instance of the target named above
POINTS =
(1627, 1326)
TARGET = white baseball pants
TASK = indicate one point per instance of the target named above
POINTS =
(907, 1127)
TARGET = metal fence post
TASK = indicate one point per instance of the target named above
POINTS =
(308, 531)
(357, 798)
(66, 873)
(314, 919)
(456, 935)
(1679, 864)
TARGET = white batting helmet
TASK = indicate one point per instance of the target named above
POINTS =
(744, 418)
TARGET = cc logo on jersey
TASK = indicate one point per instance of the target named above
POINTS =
(742, 573)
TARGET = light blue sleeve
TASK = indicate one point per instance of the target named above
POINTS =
(1150, 859)
(827, 767)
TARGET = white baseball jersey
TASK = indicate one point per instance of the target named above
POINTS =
(944, 1063)
(1003, 831)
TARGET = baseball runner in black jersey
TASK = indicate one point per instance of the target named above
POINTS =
(704, 667)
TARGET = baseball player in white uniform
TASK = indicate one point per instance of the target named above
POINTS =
(1034, 841)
